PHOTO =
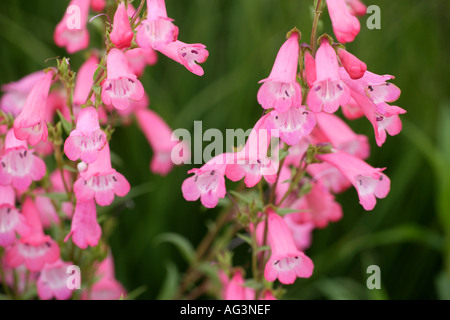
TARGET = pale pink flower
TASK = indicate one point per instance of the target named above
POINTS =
(301, 231)
(159, 136)
(369, 182)
(52, 281)
(31, 124)
(121, 35)
(71, 32)
(281, 90)
(17, 92)
(157, 30)
(47, 211)
(329, 176)
(286, 262)
(35, 249)
(328, 91)
(139, 58)
(85, 230)
(351, 110)
(121, 84)
(18, 165)
(86, 141)
(11, 221)
(345, 25)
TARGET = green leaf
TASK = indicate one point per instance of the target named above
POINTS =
(245, 238)
(136, 293)
(443, 286)
(170, 284)
(69, 168)
(284, 211)
(182, 244)
(67, 126)
(253, 284)
(244, 197)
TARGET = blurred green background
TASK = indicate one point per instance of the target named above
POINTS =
(406, 235)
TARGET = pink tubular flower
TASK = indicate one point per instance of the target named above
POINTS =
(187, 55)
(122, 35)
(333, 129)
(86, 141)
(369, 182)
(286, 262)
(301, 232)
(328, 91)
(85, 229)
(157, 30)
(159, 136)
(98, 5)
(310, 69)
(107, 287)
(352, 110)
(235, 289)
(35, 249)
(357, 8)
(47, 212)
(207, 183)
(139, 58)
(84, 82)
(71, 32)
(281, 90)
(52, 281)
(18, 165)
(101, 181)
(354, 67)
(11, 221)
(17, 92)
(345, 25)
(329, 176)
(121, 85)
(252, 161)
(31, 124)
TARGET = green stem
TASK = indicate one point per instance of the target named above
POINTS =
(317, 13)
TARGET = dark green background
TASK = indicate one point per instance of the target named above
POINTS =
(404, 234)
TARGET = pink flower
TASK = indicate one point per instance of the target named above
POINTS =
(17, 92)
(71, 32)
(11, 221)
(370, 183)
(47, 212)
(83, 83)
(35, 249)
(186, 54)
(301, 232)
(101, 181)
(345, 25)
(286, 262)
(98, 5)
(328, 91)
(31, 124)
(310, 69)
(122, 35)
(58, 186)
(291, 126)
(85, 229)
(52, 281)
(235, 289)
(18, 277)
(329, 176)
(157, 30)
(121, 85)
(356, 7)
(207, 183)
(354, 67)
(252, 161)
(281, 90)
(333, 129)
(86, 141)
(139, 58)
(19, 166)
(352, 110)
(107, 287)
(159, 136)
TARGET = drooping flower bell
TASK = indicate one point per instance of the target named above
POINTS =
(345, 25)
(85, 230)
(122, 34)
(52, 281)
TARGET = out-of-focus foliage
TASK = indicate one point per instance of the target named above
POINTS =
(406, 234)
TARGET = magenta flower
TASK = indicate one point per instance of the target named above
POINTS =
(17, 92)
(86, 141)
(19, 166)
(291, 126)
(157, 30)
(85, 230)
(139, 58)
(121, 85)
(52, 281)
(186, 54)
(281, 90)
(71, 32)
(345, 26)
(286, 262)
(35, 249)
(208, 182)
(159, 136)
(328, 91)
(121, 35)
(31, 124)
(333, 129)
(11, 221)
(354, 67)
(369, 182)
